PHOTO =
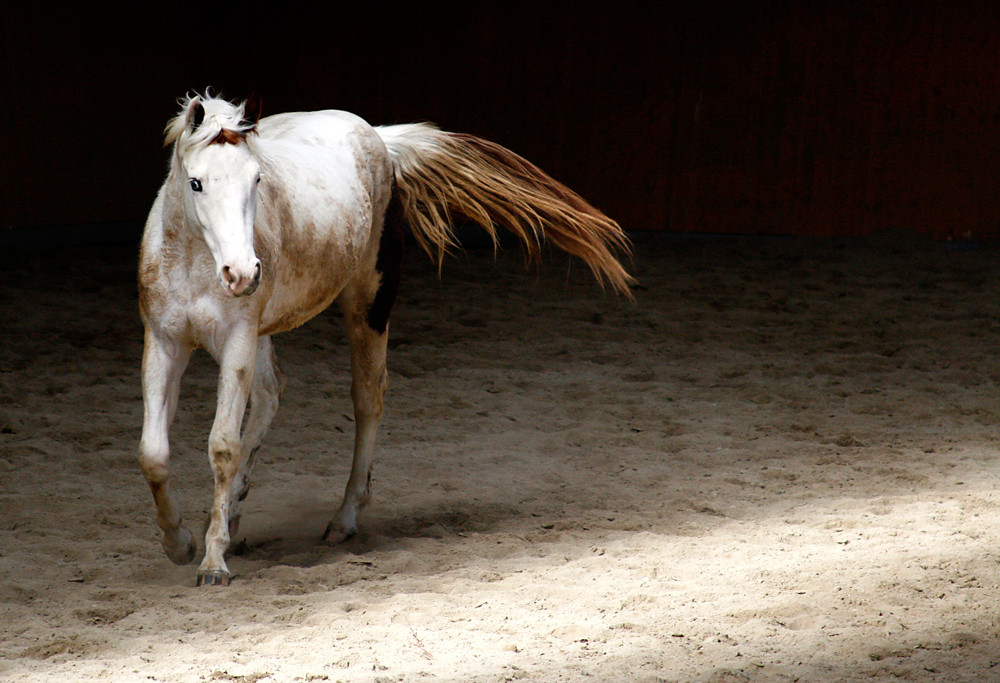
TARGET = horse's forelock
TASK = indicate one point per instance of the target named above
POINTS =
(227, 136)
(223, 123)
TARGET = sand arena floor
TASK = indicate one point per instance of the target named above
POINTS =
(778, 464)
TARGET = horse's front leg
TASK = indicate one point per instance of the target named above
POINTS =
(163, 364)
(237, 359)
(265, 393)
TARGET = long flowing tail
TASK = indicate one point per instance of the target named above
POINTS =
(441, 174)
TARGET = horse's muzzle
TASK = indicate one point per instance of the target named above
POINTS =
(239, 284)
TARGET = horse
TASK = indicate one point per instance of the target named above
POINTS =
(262, 223)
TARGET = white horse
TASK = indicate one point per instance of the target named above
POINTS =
(263, 223)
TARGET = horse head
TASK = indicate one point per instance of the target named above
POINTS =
(219, 175)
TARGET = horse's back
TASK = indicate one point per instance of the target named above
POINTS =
(327, 130)
(326, 156)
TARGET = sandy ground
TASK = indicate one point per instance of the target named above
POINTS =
(779, 464)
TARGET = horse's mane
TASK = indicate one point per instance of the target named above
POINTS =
(221, 117)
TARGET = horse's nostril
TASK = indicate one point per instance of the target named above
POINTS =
(227, 275)
(256, 272)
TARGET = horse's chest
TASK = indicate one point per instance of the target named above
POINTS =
(205, 319)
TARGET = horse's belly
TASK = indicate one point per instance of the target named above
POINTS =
(307, 282)
(285, 313)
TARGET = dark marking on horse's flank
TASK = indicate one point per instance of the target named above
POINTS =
(389, 264)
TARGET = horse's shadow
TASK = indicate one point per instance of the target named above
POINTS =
(285, 543)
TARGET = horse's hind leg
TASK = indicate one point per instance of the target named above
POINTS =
(163, 364)
(368, 385)
(265, 393)
(366, 303)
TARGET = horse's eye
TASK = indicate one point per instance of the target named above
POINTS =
(258, 179)
(195, 184)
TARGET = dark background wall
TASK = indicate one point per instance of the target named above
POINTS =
(836, 118)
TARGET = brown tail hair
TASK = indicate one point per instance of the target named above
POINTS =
(440, 174)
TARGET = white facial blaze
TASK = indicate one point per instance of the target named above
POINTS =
(222, 193)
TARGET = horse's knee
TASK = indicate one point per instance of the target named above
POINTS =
(224, 453)
(154, 459)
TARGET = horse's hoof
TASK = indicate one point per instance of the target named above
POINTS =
(336, 534)
(183, 551)
(217, 577)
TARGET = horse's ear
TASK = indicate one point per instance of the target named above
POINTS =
(195, 113)
(252, 108)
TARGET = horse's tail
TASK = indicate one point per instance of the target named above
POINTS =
(441, 174)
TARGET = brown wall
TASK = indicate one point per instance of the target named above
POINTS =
(696, 117)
